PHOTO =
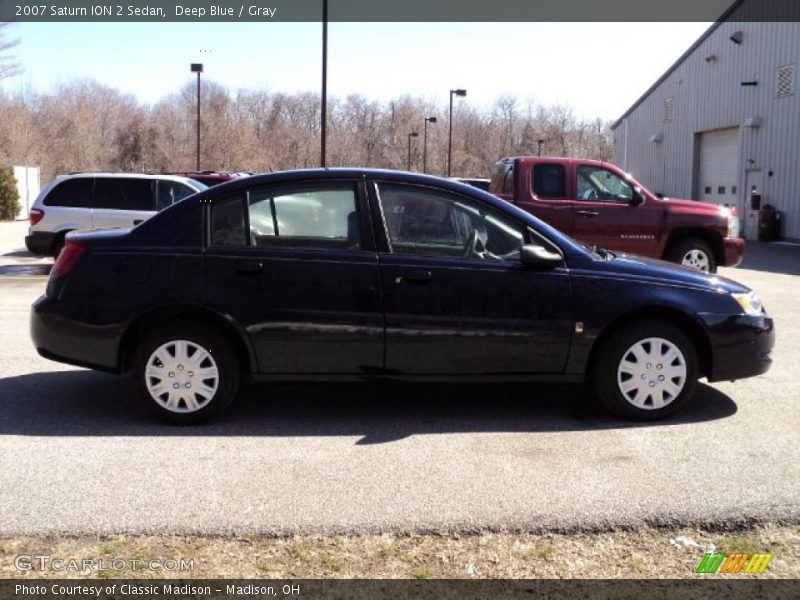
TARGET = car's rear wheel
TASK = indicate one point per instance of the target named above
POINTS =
(694, 253)
(646, 370)
(186, 374)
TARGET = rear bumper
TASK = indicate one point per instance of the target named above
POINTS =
(734, 251)
(70, 341)
(741, 345)
(40, 242)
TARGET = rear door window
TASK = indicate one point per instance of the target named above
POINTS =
(322, 216)
(74, 193)
(549, 181)
(119, 193)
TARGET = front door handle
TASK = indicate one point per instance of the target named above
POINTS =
(588, 213)
(415, 276)
(249, 267)
(137, 221)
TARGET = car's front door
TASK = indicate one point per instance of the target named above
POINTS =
(458, 300)
(295, 266)
(606, 215)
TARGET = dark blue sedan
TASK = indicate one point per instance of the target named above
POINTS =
(356, 273)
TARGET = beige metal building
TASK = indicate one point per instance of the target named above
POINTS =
(724, 120)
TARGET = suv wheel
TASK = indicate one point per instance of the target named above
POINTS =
(186, 375)
(647, 370)
(694, 253)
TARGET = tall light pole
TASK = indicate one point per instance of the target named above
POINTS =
(324, 107)
(197, 68)
(425, 143)
(461, 93)
(408, 162)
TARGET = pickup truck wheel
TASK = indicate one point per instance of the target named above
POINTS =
(694, 253)
(646, 371)
(186, 373)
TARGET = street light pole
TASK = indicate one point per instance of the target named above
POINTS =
(197, 68)
(461, 93)
(324, 107)
(540, 142)
(408, 162)
(425, 143)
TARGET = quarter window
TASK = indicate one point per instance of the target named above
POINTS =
(433, 223)
(549, 181)
(596, 183)
(74, 193)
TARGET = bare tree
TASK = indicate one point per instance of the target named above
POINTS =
(8, 64)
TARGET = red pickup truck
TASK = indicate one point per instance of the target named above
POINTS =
(601, 205)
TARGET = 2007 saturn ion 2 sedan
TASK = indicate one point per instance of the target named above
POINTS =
(357, 273)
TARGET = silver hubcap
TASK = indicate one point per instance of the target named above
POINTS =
(652, 373)
(181, 376)
(697, 259)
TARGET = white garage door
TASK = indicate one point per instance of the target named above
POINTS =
(719, 159)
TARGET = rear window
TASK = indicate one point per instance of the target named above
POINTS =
(75, 193)
(125, 194)
(549, 180)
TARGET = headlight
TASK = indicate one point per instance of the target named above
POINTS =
(750, 303)
(733, 226)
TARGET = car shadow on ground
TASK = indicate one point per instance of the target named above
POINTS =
(771, 258)
(87, 403)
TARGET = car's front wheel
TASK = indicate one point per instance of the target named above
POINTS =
(694, 253)
(185, 373)
(646, 370)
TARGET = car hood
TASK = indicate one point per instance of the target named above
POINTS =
(695, 205)
(659, 271)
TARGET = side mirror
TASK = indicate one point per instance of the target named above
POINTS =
(638, 197)
(539, 256)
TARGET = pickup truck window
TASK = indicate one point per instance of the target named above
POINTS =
(596, 183)
(549, 181)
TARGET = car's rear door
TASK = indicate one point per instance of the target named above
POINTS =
(123, 201)
(458, 300)
(294, 264)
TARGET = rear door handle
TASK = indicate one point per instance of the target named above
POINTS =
(249, 267)
(415, 276)
(588, 213)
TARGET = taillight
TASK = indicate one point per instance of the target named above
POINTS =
(35, 215)
(67, 258)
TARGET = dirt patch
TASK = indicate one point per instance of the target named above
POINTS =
(649, 553)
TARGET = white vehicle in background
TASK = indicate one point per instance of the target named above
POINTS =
(84, 201)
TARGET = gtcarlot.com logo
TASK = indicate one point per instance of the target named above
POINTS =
(719, 562)
(43, 562)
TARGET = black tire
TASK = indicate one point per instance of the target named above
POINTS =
(679, 252)
(58, 243)
(220, 355)
(608, 378)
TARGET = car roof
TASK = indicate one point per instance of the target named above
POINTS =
(117, 175)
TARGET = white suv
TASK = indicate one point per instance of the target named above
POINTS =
(83, 201)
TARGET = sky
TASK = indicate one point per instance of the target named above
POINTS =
(599, 69)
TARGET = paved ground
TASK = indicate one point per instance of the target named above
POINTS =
(79, 455)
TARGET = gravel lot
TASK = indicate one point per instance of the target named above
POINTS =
(78, 454)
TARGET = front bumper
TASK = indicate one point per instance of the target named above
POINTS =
(741, 345)
(67, 339)
(734, 251)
